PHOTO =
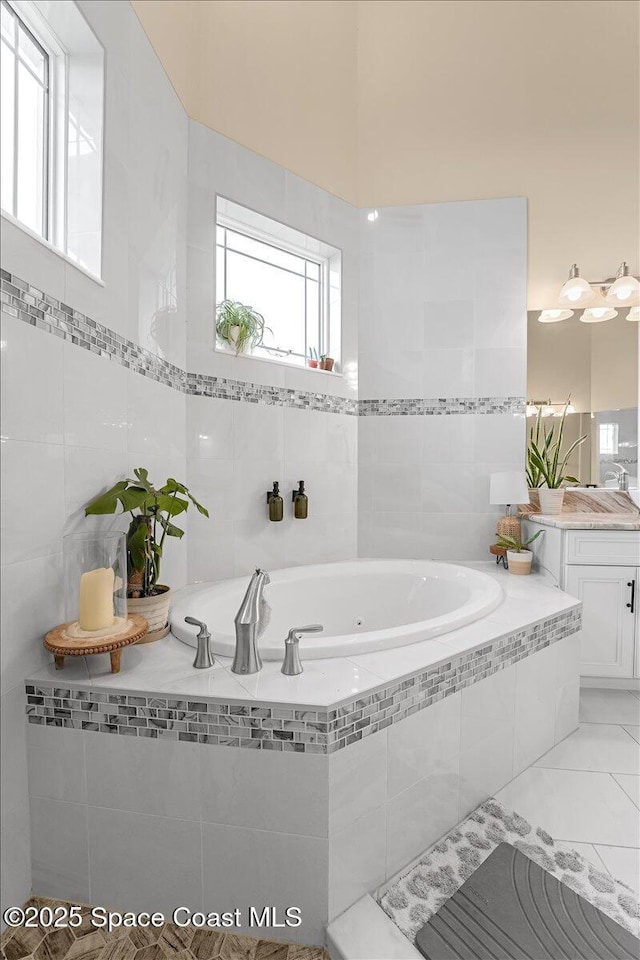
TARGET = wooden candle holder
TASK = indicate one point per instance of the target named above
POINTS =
(61, 645)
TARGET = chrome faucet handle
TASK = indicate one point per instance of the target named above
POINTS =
(292, 665)
(204, 657)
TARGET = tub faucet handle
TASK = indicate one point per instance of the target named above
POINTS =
(292, 665)
(204, 657)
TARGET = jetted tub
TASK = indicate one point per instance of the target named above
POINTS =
(364, 605)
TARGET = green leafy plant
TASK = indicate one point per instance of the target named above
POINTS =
(546, 459)
(239, 325)
(152, 511)
(515, 543)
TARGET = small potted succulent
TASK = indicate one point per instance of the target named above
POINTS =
(547, 462)
(152, 512)
(326, 363)
(519, 557)
(240, 326)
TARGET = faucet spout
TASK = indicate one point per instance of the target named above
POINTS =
(249, 622)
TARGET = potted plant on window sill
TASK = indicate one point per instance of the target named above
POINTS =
(240, 326)
(519, 558)
(312, 360)
(547, 462)
(326, 363)
(152, 512)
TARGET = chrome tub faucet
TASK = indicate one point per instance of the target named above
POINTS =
(251, 620)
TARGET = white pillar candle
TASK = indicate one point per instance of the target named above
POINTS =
(96, 599)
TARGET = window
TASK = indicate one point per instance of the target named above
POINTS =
(25, 124)
(291, 279)
(52, 71)
(608, 439)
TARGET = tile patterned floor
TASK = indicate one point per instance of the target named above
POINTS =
(165, 943)
(586, 789)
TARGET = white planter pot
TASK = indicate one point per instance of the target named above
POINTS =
(519, 563)
(551, 500)
(155, 610)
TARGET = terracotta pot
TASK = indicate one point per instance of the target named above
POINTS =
(155, 610)
(551, 500)
(327, 363)
(313, 364)
(519, 563)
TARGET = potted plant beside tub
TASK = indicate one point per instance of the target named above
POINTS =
(152, 513)
(519, 558)
(547, 462)
(240, 326)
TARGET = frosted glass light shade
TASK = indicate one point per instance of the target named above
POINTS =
(634, 314)
(508, 487)
(576, 292)
(554, 316)
(598, 315)
(625, 290)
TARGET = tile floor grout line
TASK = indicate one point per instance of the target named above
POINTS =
(612, 773)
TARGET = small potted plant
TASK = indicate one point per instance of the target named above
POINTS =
(152, 513)
(240, 326)
(519, 558)
(312, 360)
(547, 462)
(326, 363)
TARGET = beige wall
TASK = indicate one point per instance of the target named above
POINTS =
(407, 101)
(596, 363)
(278, 77)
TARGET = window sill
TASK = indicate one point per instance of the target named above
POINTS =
(51, 248)
(279, 363)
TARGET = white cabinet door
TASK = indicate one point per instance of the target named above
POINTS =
(608, 622)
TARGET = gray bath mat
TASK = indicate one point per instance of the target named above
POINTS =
(411, 899)
(512, 909)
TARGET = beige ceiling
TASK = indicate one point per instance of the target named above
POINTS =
(409, 101)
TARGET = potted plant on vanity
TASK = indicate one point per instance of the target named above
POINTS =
(152, 510)
(547, 462)
(240, 326)
(519, 557)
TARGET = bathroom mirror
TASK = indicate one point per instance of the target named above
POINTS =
(596, 364)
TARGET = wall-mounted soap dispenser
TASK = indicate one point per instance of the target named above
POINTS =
(300, 502)
(274, 502)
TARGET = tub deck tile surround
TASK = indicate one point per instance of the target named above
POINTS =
(25, 302)
(145, 702)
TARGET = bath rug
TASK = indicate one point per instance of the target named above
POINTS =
(411, 899)
(511, 908)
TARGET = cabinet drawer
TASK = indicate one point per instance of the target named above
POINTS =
(603, 546)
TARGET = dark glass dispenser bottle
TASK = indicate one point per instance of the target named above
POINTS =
(300, 502)
(274, 502)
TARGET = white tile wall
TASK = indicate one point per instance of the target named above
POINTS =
(73, 423)
(442, 315)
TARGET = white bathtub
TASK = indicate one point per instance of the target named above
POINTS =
(364, 605)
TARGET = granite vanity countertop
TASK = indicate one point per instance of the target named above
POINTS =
(588, 521)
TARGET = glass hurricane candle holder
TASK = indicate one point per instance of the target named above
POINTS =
(95, 579)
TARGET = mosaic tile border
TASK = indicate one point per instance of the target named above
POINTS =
(259, 726)
(22, 300)
(441, 406)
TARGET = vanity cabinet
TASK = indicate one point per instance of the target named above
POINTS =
(607, 644)
(601, 567)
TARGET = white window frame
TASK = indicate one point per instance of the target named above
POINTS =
(55, 238)
(279, 242)
(52, 52)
